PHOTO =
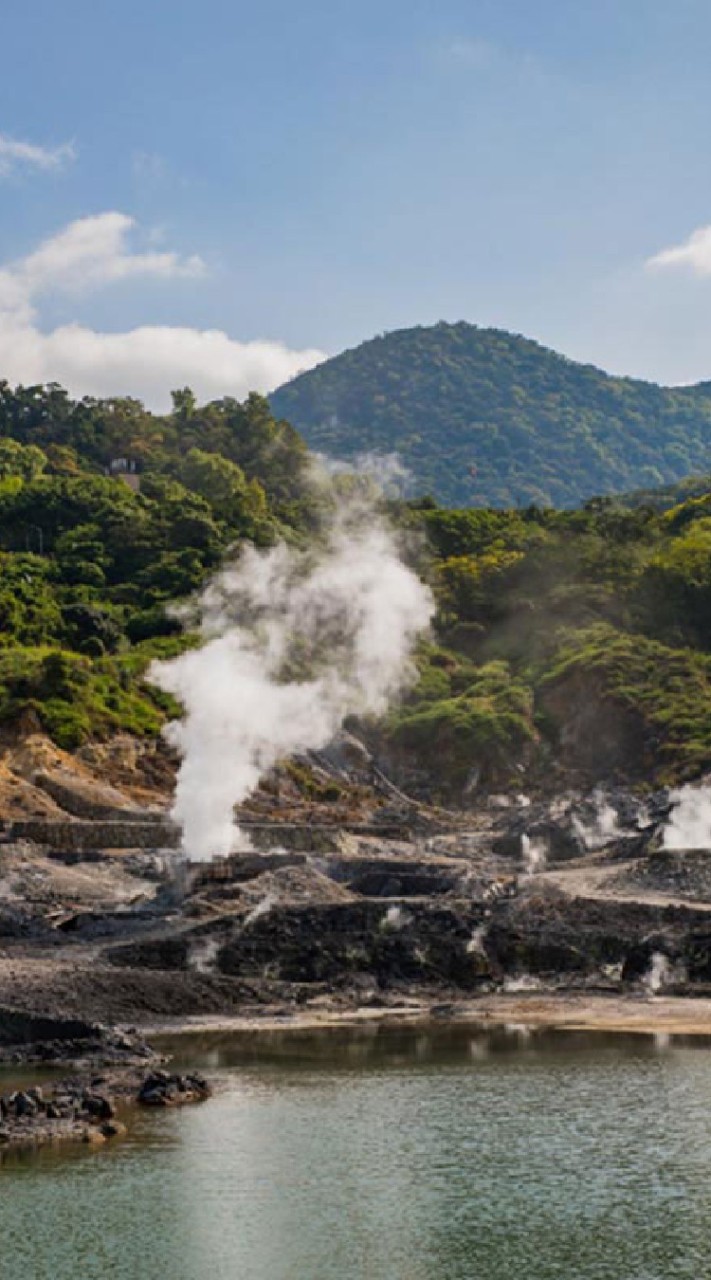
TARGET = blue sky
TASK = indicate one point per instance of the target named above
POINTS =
(224, 191)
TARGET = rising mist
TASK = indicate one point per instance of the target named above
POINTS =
(293, 642)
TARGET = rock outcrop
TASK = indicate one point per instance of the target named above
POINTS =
(87, 1108)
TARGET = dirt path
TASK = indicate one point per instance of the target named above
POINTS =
(595, 877)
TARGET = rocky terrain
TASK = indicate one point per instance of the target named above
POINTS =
(87, 1107)
(363, 902)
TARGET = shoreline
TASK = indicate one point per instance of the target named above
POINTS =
(523, 1012)
(553, 1011)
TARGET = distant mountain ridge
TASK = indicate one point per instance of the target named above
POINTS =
(486, 417)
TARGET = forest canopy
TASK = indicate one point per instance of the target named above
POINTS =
(481, 417)
(563, 638)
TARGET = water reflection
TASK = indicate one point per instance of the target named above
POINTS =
(392, 1046)
(440, 1153)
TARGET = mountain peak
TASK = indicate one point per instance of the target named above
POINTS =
(481, 416)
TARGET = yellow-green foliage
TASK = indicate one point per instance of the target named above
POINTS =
(75, 697)
(88, 564)
(464, 718)
(527, 599)
(465, 584)
(619, 595)
(668, 690)
(312, 788)
(688, 556)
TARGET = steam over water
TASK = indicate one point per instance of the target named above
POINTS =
(294, 641)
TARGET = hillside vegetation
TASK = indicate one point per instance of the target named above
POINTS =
(481, 417)
(567, 644)
(89, 564)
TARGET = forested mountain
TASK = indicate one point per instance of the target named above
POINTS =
(563, 640)
(486, 418)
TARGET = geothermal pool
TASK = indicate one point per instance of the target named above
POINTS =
(390, 1156)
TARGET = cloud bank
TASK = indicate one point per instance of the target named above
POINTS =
(147, 361)
(17, 156)
(694, 253)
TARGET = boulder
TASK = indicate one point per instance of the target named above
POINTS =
(113, 1129)
(98, 1105)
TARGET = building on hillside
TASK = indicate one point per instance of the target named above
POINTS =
(125, 469)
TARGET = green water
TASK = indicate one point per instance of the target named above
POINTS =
(407, 1156)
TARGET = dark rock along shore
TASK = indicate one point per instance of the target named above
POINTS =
(86, 1106)
(407, 904)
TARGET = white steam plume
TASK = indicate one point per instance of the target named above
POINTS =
(387, 471)
(295, 641)
(689, 823)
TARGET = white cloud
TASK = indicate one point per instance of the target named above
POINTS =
(92, 251)
(16, 155)
(694, 253)
(146, 361)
